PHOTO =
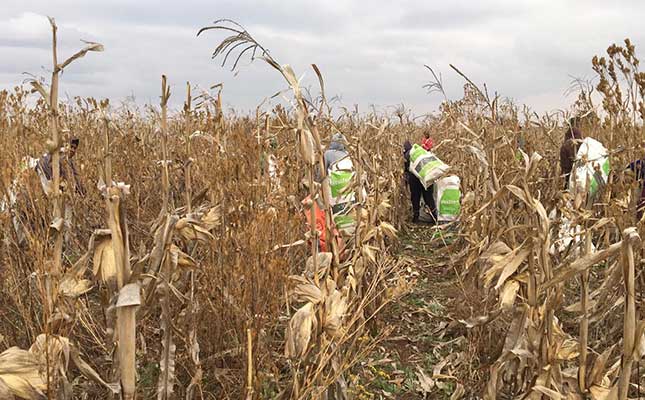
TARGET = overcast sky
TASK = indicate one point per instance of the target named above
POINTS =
(369, 52)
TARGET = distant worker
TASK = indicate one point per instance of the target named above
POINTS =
(638, 168)
(428, 194)
(342, 183)
(416, 187)
(68, 171)
(68, 175)
(569, 149)
(427, 142)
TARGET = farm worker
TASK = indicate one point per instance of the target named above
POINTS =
(67, 168)
(339, 190)
(68, 174)
(416, 187)
(569, 149)
(428, 194)
(335, 152)
(427, 143)
(638, 167)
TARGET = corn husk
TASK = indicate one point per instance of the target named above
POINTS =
(300, 331)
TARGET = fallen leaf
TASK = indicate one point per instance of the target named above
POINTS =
(425, 383)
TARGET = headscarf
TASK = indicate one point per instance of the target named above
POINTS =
(337, 142)
(568, 152)
(572, 133)
(336, 150)
(407, 146)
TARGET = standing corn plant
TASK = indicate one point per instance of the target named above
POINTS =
(53, 146)
(51, 275)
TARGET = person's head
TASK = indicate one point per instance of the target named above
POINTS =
(338, 138)
(73, 146)
(271, 144)
(573, 133)
(338, 141)
(407, 146)
(574, 122)
(426, 134)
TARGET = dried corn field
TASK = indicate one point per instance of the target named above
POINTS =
(179, 265)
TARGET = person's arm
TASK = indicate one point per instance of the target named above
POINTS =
(45, 166)
(566, 159)
(325, 162)
(68, 172)
(62, 167)
(406, 168)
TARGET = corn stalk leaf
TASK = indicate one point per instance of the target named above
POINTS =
(505, 265)
(508, 294)
(582, 264)
(38, 87)
(20, 373)
(598, 370)
(5, 391)
(90, 373)
(90, 46)
(552, 394)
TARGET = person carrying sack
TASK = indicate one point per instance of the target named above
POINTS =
(341, 174)
(416, 188)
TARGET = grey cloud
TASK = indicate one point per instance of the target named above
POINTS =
(290, 15)
(433, 16)
(369, 53)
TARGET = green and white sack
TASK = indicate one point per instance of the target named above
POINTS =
(342, 197)
(426, 166)
(591, 165)
(568, 237)
(447, 195)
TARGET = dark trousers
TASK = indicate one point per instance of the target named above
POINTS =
(416, 191)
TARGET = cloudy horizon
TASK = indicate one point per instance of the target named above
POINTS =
(374, 55)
